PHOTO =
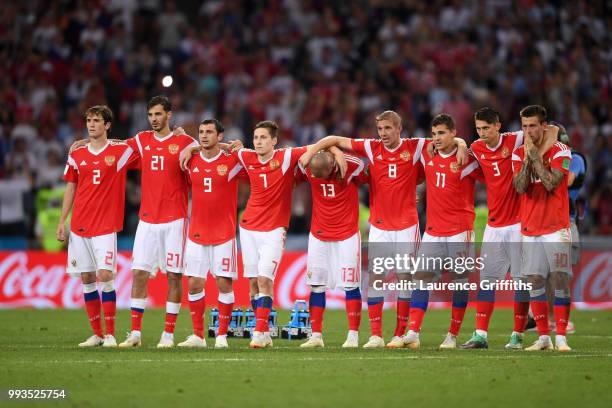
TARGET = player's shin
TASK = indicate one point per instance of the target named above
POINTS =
(418, 307)
(262, 314)
(521, 310)
(562, 311)
(403, 313)
(197, 306)
(137, 307)
(172, 311)
(226, 304)
(109, 305)
(317, 309)
(375, 309)
(93, 307)
(484, 310)
(539, 307)
(353, 308)
(459, 304)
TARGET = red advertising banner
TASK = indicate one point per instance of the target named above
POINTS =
(39, 279)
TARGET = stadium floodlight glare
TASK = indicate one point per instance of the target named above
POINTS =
(167, 81)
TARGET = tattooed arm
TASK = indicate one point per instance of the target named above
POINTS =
(522, 179)
(550, 178)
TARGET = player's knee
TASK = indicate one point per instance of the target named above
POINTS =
(140, 278)
(174, 279)
(224, 284)
(106, 275)
(88, 277)
(537, 281)
(196, 285)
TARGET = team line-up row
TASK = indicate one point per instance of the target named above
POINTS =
(525, 173)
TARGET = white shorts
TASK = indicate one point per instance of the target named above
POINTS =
(92, 254)
(219, 259)
(160, 246)
(576, 249)
(334, 263)
(262, 251)
(442, 251)
(547, 253)
(500, 252)
(401, 242)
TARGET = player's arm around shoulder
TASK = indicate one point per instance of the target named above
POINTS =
(325, 143)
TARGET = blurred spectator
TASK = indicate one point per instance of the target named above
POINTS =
(316, 67)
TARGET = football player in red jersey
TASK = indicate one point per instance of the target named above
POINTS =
(501, 251)
(95, 176)
(395, 170)
(334, 244)
(211, 244)
(541, 180)
(264, 223)
(449, 231)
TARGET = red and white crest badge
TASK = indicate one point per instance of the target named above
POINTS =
(222, 169)
(173, 148)
(110, 160)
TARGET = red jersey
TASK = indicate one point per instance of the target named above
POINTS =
(393, 180)
(450, 194)
(99, 199)
(214, 186)
(543, 212)
(165, 192)
(496, 164)
(269, 205)
(335, 203)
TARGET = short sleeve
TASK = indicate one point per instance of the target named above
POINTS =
(561, 159)
(71, 172)
(296, 153)
(517, 160)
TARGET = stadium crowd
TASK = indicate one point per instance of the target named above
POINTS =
(315, 67)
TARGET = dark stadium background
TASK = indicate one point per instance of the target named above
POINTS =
(316, 67)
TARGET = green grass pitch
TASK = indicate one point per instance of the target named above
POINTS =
(38, 350)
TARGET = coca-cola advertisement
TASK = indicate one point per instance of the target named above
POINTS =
(39, 279)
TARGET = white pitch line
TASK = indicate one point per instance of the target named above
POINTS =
(344, 357)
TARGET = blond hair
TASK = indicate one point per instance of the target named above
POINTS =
(391, 116)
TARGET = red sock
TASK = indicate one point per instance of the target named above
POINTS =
(316, 318)
(109, 305)
(375, 315)
(403, 312)
(540, 315)
(137, 319)
(225, 315)
(484, 310)
(521, 315)
(261, 319)
(170, 322)
(457, 314)
(353, 312)
(562, 313)
(416, 319)
(93, 306)
(197, 308)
